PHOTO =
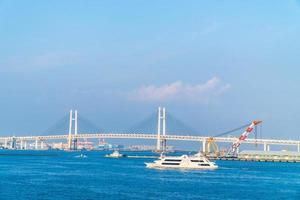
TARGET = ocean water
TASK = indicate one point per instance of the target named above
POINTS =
(60, 175)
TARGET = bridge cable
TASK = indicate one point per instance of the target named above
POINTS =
(175, 125)
(233, 130)
(87, 126)
(147, 125)
(60, 127)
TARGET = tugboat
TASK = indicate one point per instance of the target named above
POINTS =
(197, 161)
(115, 154)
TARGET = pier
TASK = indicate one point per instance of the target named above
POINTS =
(255, 160)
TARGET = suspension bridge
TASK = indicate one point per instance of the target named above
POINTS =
(160, 136)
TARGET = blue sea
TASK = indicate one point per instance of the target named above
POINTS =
(61, 175)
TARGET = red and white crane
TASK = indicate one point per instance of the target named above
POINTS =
(234, 147)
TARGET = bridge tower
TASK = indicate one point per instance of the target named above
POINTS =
(73, 126)
(161, 129)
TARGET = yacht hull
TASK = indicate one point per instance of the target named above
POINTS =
(194, 162)
(155, 166)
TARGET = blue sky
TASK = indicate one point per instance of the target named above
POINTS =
(214, 64)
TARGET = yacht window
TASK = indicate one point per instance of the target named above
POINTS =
(204, 164)
(172, 160)
(197, 161)
(170, 163)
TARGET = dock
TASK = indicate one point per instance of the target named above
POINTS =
(142, 156)
(254, 159)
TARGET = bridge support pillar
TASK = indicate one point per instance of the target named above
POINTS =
(13, 144)
(36, 144)
(42, 144)
(70, 130)
(5, 143)
(72, 142)
(25, 144)
(75, 130)
(298, 147)
(21, 144)
(161, 118)
(266, 147)
(203, 146)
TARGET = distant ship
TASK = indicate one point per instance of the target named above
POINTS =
(197, 161)
(115, 154)
(81, 156)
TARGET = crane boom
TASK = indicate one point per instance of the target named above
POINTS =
(233, 150)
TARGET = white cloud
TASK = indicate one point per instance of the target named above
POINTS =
(202, 93)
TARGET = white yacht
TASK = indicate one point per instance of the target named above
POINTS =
(115, 154)
(197, 161)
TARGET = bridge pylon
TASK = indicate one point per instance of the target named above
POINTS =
(73, 127)
(161, 130)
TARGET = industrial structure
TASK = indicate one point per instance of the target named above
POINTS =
(233, 151)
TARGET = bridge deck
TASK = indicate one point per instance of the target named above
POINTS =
(153, 137)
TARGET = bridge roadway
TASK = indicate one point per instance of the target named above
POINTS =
(153, 137)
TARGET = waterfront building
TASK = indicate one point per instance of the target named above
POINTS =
(147, 148)
(60, 145)
(107, 146)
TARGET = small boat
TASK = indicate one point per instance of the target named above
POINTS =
(197, 161)
(115, 154)
(81, 156)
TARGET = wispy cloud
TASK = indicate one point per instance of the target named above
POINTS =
(201, 93)
(41, 61)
